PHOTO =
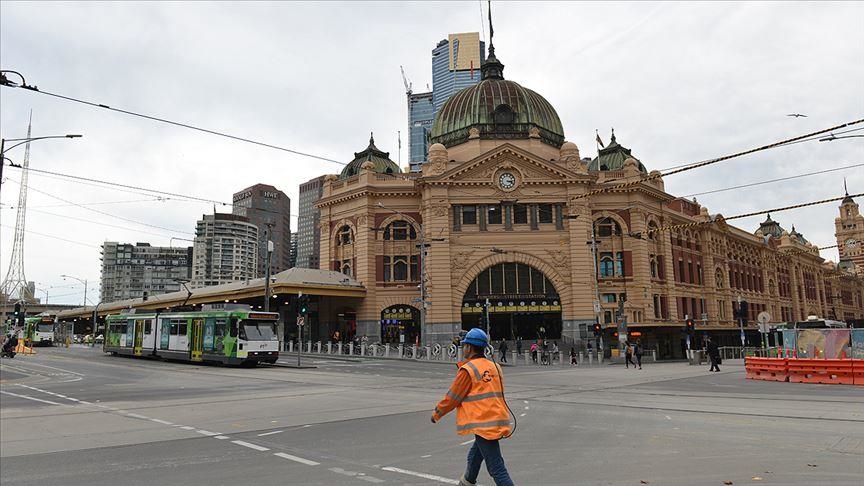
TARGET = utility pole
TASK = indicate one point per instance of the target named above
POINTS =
(267, 276)
(597, 309)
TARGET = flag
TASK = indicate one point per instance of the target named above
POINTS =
(490, 22)
(599, 142)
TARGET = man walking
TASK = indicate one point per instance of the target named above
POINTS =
(713, 355)
(477, 394)
(503, 350)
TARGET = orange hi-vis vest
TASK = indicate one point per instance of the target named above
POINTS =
(483, 411)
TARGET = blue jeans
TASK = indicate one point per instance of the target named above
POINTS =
(490, 451)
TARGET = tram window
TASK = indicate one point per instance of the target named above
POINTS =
(520, 214)
(233, 328)
(220, 328)
(243, 335)
(544, 213)
(148, 326)
(174, 328)
(184, 328)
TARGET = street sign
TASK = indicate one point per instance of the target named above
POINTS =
(301, 321)
(596, 306)
(763, 317)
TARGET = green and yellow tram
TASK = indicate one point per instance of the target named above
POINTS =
(39, 330)
(230, 335)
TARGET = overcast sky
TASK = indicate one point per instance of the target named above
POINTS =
(680, 82)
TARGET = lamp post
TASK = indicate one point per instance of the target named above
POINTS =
(22, 141)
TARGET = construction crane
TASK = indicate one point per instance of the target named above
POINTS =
(405, 81)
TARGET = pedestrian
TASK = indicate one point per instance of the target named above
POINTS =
(544, 355)
(637, 350)
(519, 346)
(628, 355)
(573, 356)
(477, 394)
(713, 354)
(533, 351)
(503, 350)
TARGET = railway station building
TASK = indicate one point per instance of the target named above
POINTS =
(506, 225)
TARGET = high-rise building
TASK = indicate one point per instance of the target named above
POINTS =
(269, 209)
(140, 270)
(308, 232)
(456, 64)
(225, 250)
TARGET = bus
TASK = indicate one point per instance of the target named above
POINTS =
(39, 330)
(228, 334)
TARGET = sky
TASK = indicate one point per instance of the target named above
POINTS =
(680, 82)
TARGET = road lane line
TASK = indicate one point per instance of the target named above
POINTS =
(163, 422)
(31, 398)
(250, 445)
(430, 477)
(207, 433)
(221, 437)
(135, 415)
(296, 459)
(271, 433)
(186, 427)
(467, 442)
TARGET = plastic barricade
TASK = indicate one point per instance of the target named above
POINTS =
(858, 372)
(768, 369)
(825, 371)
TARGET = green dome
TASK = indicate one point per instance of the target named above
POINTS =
(499, 109)
(381, 161)
(612, 157)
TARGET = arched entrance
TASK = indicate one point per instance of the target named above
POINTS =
(519, 300)
(400, 324)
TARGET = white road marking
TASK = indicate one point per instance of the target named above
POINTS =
(296, 459)
(221, 437)
(668, 418)
(271, 433)
(467, 442)
(523, 414)
(427, 455)
(30, 398)
(207, 433)
(135, 415)
(250, 445)
(430, 477)
(186, 427)
(163, 422)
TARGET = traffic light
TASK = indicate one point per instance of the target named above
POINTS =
(17, 312)
(743, 311)
(303, 305)
(690, 327)
(596, 328)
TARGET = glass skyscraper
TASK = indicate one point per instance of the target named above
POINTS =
(455, 65)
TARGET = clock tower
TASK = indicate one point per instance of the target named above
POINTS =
(849, 230)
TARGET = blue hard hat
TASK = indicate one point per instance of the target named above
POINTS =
(476, 337)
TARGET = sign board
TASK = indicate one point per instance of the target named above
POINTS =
(763, 318)
(596, 306)
(301, 320)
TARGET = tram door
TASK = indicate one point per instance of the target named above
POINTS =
(139, 337)
(196, 341)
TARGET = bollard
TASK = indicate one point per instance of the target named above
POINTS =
(318, 348)
(515, 357)
(362, 350)
(351, 349)
(329, 348)
(428, 353)
(290, 346)
(580, 356)
(561, 358)
(386, 350)
(309, 347)
(339, 348)
(414, 352)
(401, 349)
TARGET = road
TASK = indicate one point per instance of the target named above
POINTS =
(79, 417)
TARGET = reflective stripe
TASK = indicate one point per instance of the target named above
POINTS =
(474, 369)
(454, 396)
(493, 423)
(481, 396)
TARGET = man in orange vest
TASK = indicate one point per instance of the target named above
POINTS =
(477, 394)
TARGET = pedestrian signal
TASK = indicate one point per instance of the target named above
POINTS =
(303, 305)
(596, 329)
(690, 326)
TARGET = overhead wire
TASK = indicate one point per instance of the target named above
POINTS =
(179, 124)
(52, 236)
(773, 180)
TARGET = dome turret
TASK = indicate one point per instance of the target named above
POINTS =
(380, 161)
(613, 156)
(497, 109)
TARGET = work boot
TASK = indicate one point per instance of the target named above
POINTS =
(464, 482)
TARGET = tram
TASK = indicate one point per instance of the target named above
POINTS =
(231, 335)
(39, 330)
(814, 322)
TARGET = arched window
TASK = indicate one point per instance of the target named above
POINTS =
(718, 278)
(607, 265)
(346, 268)
(655, 268)
(344, 236)
(607, 227)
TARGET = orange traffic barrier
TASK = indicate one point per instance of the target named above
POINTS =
(21, 348)
(769, 369)
(826, 371)
(858, 372)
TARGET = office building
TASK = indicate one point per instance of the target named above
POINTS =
(134, 271)
(308, 218)
(269, 209)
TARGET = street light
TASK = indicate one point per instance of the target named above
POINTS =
(84, 281)
(22, 141)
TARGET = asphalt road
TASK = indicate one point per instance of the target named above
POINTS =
(78, 417)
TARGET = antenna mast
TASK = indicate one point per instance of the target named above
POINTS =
(14, 286)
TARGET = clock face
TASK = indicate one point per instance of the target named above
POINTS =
(851, 243)
(506, 180)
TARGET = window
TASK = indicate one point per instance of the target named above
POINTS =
(654, 267)
(346, 267)
(607, 265)
(520, 214)
(494, 214)
(607, 317)
(469, 214)
(610, 298)
(401, 268)
(545, 214)
(607, 227)
(344, 236)
(400, 230)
